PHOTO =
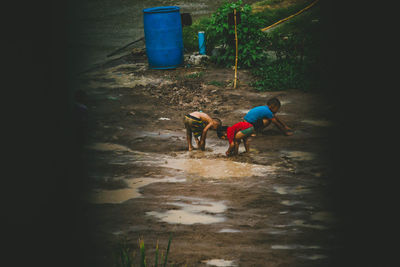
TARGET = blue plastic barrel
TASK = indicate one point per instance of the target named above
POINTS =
(202, 43)
(163, 36)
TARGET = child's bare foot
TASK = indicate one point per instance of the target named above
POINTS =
(289, 132)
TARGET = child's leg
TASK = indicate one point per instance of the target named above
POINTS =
(244, 134)
(266, 122)
(188, 135)
(197, 141)
(238, 137)
(189, 139)
(236, 149)
(246, 143)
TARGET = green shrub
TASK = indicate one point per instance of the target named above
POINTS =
(298, 48)
(251, 40)
(288, 56)
(190, 34)
(280, 75)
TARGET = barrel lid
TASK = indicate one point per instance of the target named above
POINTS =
(161, 9)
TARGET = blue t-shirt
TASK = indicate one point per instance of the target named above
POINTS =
(257, 113)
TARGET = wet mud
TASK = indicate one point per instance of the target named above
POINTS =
(269, 207)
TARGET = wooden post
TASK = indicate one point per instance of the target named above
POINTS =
(236, 41)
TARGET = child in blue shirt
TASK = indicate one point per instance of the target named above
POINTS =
(262, 116)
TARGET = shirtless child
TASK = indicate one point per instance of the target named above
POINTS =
(198, 123)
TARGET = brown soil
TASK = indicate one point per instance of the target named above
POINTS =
(271, 207)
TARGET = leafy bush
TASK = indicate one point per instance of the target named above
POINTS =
(190, 34)
(288, 56)
(222, 35)
(283, 74)
(297, 45)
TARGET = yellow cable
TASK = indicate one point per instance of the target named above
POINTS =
(291, 16)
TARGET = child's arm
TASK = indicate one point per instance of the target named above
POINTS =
(230, 148)
(204, 136)
(282, 126)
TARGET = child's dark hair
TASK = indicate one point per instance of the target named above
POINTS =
(219, 121)
(221, 131)
(274, 102)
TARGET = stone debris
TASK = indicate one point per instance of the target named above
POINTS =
(197, 59)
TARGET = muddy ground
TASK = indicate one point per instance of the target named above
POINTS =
(281, 213)
(270, 207)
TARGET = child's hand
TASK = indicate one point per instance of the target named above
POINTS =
(289, 132)
(227, 153)
(202, 145)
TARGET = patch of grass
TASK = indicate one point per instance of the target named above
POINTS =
(194, 75)
(299, 46)
(125, 256)
(216, 83)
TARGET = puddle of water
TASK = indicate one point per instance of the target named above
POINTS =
(245, 111)
(313, 257)
(219, 262)
(290, 202)
(196, 211)
(299, 155)
(321, 123)
(109, 147)
(227, 230)
(116, 78)
(242, 111)
(277, 232)
(284, 102)
(303, 224)
(217, 168)
(160, 134)
(121, 195)
(323, 216)
(294, 246)
(284, 190)
(185, 217)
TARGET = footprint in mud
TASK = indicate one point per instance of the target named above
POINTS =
(192, 211)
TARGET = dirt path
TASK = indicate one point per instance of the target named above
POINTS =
(267, 208)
